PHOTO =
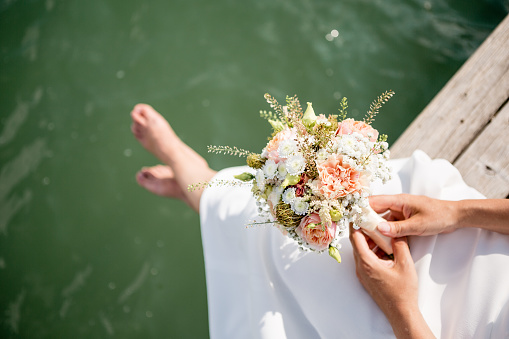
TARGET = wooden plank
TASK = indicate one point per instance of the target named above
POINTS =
(465, 105)
(485, 163)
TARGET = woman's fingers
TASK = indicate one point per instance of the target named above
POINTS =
(382, 203)
(361, 247)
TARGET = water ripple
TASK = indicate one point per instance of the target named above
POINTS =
(13, 313)
(77, 283)
(136, 284)
(18, 117)
(12, 174)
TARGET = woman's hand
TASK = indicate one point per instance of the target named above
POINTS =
(420, 215)
(392, 284)
(414, 215)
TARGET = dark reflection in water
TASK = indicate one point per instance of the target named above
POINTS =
(85, 252)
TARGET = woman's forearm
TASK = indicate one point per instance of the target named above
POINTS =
(408, 323)
(489, 214)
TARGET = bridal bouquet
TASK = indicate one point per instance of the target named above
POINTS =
(313, 177)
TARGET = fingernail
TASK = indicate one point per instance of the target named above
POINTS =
(384, 227)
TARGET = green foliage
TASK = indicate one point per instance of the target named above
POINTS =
(220, 182)
(229, 150)
(375, 106)
(275, 106)
(343, 105)
(293, 104)
(382, 138)
(268, 115)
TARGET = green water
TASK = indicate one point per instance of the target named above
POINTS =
(84, 251)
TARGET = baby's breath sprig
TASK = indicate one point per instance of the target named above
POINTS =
(229, 150)
(375, 106)
(343, 105)
(380, 146)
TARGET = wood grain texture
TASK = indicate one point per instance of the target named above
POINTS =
(465, 124)
(485, 163)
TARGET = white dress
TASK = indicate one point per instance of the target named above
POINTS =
(259, 284)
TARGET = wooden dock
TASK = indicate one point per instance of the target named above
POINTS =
(467, 123)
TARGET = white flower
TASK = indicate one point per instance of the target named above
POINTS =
(270, 169)
(322, 155)
(264, 154)
(323, 121)
(281, 170)
(260, 180)
(287, 148)
(387, 154)
(348, 141)
(300, 206)
(275, 195)
(295, 164)
(289, 195)
(357, 209)
(315, 187)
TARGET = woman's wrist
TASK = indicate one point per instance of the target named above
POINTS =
(451, 214)
(407, 322)
(489, 214)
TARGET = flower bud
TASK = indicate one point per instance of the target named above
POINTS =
(333, 252)
(309, 118)
(291, 180)
(276, 125)
(255, 161)
(335, 215)
(246, 176)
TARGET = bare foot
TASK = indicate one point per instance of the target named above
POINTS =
(157, 136)
(153, 131)
(160, 180)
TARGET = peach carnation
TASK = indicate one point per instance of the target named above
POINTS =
(349, 126)
(317, 235)
(337, 179)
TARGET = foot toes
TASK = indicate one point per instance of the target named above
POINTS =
(142, 113)
(159, 180)
(162, 172)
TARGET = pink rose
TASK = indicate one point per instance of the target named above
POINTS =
(318, 236)
(349, 126)
(337, 179)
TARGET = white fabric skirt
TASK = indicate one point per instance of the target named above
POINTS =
(260, 285)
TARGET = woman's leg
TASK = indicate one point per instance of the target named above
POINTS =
(184, 165)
